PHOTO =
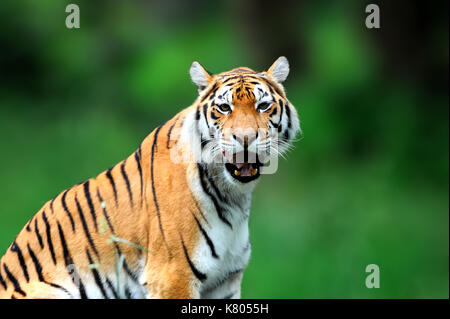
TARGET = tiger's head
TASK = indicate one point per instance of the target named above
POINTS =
(244, 118)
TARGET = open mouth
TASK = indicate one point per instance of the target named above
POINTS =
(245, 171)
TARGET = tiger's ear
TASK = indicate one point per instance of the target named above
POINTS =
(279, 69)
(199, 76)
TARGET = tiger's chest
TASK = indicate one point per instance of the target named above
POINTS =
(224, 264)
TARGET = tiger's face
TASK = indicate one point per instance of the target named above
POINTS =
(244, 118)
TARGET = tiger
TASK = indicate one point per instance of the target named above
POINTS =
(171, 221)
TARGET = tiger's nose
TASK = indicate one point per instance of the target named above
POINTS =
(245, 139)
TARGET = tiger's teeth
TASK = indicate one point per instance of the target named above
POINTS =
(237, 173)
(254, 171)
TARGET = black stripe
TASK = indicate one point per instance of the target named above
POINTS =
(281, 111)
(131, 274)
(205, 109)
(28, 225)
(111, 287)
(212, 90)
(281, 116)
(38, 235)
(97, 278)
(213, 198)
(280, 102)
(213, 115)
(125, 265)
(49, 237)
(87, 194)
(64, 205)
(197, 113)
(200, 276)
(203, 142)
(137, 157)
(14, 281)
(58, 287)
(51, 206)
(274, 112)
(233, 77)
(198, 208)
(69, 261)
(37, 264)
(169, 133)
(249, 92)
(67, 258)
(15, 248)
(273, 124)
(112, 182)
(155, 200)
(105, 212)
(127, 292)
(2, 281)
(271, 88)
(127, 181)
(223, 280)
(288, 114)
(208, 240)
(85, 227)
(216, 189)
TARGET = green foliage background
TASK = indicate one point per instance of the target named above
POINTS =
(367, 183)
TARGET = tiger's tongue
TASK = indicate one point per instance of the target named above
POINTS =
(244, 168)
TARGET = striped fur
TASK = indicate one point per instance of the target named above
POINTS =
(153, 227)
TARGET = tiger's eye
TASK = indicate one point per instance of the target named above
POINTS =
(224, 108)
(264, 106)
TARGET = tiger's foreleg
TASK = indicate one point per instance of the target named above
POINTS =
(171, 282)
(40, 290)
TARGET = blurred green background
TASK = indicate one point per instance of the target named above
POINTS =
(367, 183)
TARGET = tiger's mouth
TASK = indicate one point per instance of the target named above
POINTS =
(244, 170)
